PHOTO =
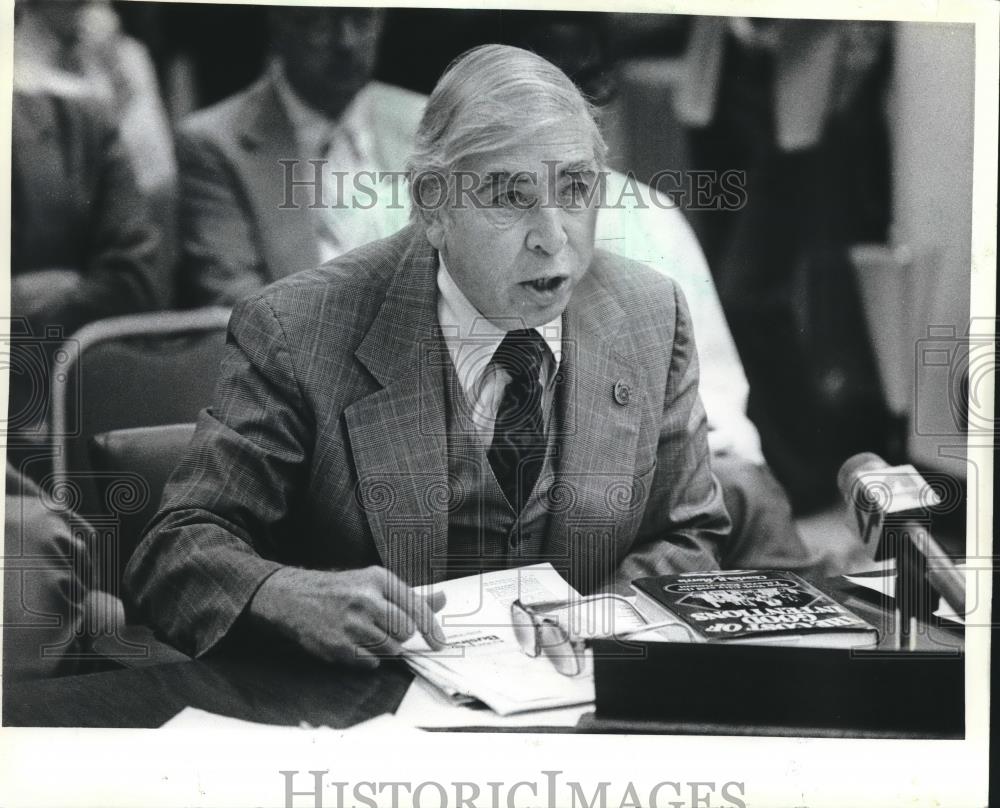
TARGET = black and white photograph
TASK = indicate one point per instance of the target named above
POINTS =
(499, 405)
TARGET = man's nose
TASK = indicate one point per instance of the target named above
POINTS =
(546, 232)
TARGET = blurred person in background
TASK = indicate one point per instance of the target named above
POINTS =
(798, 105)
(77, 48)
(57, 621)
(45, 568)
(242, 225)
(83, 246)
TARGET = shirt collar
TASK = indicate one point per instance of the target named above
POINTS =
(472, 339)
(313, 128)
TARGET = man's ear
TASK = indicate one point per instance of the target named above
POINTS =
(434, 228)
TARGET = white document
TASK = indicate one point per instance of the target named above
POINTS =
(483, 662)
(193, 718)
(425, 706)
(483, 659)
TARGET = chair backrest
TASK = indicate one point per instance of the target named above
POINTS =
(132, 467)
(126, 372)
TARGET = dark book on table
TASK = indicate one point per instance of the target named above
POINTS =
(754, 607)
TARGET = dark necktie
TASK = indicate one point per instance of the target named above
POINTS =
(518, 449)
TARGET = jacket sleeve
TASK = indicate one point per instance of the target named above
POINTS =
(220, 259)
(227, 508)
(685, 521)
(46, 570)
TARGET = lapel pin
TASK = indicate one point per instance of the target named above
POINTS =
(622, 392)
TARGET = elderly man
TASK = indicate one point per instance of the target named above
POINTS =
(260, 201)
(482, 390)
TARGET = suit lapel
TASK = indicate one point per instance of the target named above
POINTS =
(288, 238)
(598, 420)
(398, 433)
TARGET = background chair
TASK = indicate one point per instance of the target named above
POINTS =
(123, 373)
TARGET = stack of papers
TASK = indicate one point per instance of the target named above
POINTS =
(483, 661)
(425, 706)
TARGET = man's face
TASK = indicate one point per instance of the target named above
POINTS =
(62, 17)
(518, 255)
(328, 54)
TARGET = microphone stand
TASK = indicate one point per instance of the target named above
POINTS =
(923, 572)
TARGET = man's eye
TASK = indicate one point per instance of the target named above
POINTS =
(575, 193)
(512, 198)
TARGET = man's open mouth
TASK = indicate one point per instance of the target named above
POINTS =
(546, 284)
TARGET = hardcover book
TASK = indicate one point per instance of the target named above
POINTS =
(754, 607)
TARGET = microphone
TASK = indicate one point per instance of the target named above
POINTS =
(874, 490)
(862, 500)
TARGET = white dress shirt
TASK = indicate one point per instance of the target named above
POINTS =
(472, 340)
(348, 218)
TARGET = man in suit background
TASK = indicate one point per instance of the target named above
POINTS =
(83, 246)
(241, 228)
(481, 390)
(77, 47)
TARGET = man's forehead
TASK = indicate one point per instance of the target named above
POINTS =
(537, 160)
(561, 143)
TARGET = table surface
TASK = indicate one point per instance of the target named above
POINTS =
(288, 690)
(271, 691)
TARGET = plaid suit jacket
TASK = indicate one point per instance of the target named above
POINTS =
(326, 446)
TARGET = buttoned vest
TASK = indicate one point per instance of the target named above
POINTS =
(484, 532)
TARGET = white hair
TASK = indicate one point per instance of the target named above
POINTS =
(489, 98)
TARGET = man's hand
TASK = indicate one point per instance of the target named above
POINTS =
(352, 617)
(39, 294)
